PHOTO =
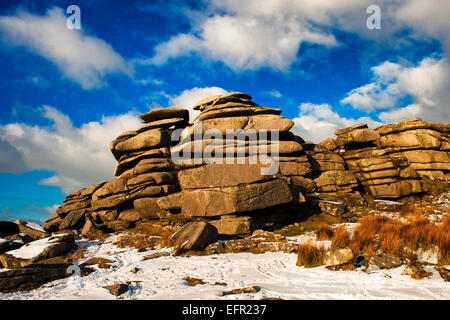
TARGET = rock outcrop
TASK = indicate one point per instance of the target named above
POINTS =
(239, 167)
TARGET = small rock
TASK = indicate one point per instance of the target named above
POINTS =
(157, 254)
(193, 281)
(253, 289)
(239, 245)
(215, 248)
(416, 271)
(445, 273)
(288, 247)
(117, 289)
(336, 257)
(332, 207)
(101, 262)
(135, 270)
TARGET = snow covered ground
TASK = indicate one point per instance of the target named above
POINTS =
(275, 273)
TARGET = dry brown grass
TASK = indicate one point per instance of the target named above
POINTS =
(310, 255)
(340, 239)
(138, 241)
(402, 238)
(324, 232)
(77, 254)
(165, 241)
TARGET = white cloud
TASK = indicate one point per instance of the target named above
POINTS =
(82, 58)
(427, 85)
(408, 112)
(317, 122)
(78, 156)
(274, 93)
(253, 34)
(188, 98)
(246, 39)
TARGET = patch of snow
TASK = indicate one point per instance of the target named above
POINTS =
(34, 226)
(276, 273)
(386, 201)
(32, 249)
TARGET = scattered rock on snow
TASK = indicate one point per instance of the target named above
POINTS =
(157, 254)
(117, 289)
(445, 273)
(253, 289)
(335, 257)
(101, 262)
(386, 261)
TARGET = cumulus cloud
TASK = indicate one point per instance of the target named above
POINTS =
(252, 34)
(427, 85)
(12, 160)
(78, 156)
(259, 34)
(317, 122)
(188, 98)
(80, 57)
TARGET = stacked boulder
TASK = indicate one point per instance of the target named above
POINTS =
(238, 166)
(144, 171)
(225, 173)
(330, 174)
(72, 213)
(392, 160)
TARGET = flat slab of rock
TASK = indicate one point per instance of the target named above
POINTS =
(156, 255)
(31, 228)
(35, 251)
(33, 276)
(226, 200)
(165, 113)
(222, 175)
(386, 261)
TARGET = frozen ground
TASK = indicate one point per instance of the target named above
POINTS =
(275, 273)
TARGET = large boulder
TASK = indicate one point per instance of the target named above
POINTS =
(194, 236)
(32, 276)
(8, 228)
(221, 175)
(233, 225)
(38, 250)
(165, 113)
(247, 197)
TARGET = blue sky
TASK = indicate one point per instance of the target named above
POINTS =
(66, 93)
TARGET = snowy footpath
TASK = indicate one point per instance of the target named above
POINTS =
(275, 273)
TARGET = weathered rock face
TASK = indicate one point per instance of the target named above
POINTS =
(32, 276)
(393, 161)
(38, 250)
(208, 170)
(194, 236)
